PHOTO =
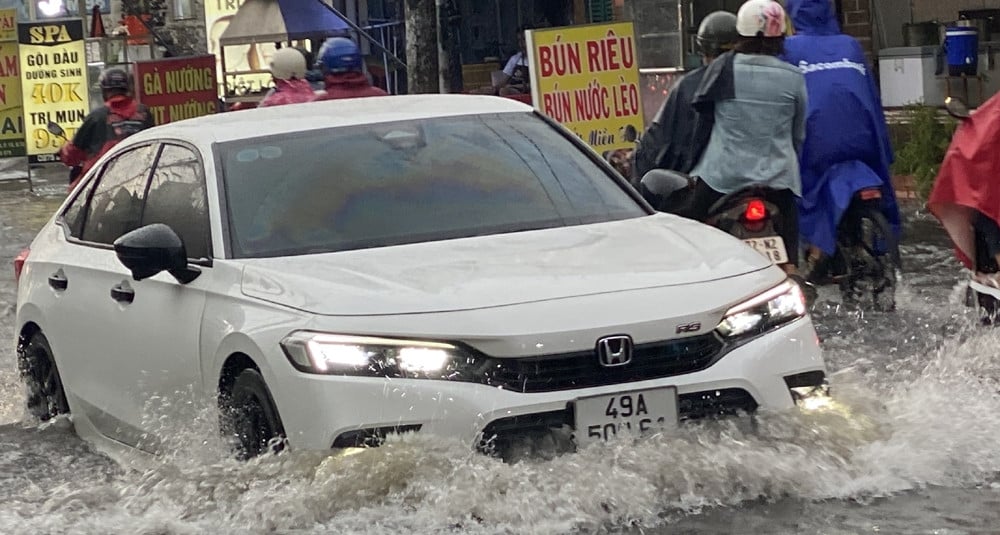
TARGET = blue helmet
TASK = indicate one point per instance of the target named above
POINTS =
(339, 54)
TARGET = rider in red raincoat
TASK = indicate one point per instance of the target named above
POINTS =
(340, 60)
(288, 68)
(966, 194)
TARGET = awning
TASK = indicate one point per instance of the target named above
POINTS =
(271, 21)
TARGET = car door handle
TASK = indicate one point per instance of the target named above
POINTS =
(58, 280)
(122, 292)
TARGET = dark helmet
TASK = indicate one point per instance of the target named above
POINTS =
(339, 54)
(717, 33)
(115, 78)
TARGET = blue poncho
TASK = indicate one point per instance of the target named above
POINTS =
(847, 144)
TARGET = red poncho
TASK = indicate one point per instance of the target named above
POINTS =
(968, 179)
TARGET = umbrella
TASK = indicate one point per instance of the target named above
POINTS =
(269, 21)
(97, 23)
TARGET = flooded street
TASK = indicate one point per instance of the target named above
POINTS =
(911, 446)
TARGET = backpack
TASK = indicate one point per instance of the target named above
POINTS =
(120, 127)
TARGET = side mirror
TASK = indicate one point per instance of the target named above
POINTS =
(956, 108)
(149, 250)
(56, 130)
(663, 183)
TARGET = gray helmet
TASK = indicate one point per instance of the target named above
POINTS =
(717, 33)
(115, 78)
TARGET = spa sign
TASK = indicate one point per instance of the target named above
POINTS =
(53, 82)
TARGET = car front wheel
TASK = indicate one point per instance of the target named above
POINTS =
(46, 397)
(250, 417)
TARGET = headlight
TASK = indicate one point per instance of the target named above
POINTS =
(782, 304)
(370, 356)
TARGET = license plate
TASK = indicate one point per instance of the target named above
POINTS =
(637, 413)
(773, 247)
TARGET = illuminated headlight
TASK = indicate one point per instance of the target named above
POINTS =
(370, 356)
(782, 304)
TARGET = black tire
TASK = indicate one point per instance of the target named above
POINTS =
(250, 417)
(871, 258)
(46, 396)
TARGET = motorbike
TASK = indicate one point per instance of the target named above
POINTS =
(58, 131)
(867, 254)
(748, 214)
(866, 262)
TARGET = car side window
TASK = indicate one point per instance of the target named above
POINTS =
(176, 198)
(72, 217)
(116, 206)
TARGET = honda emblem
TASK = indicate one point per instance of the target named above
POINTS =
(614, 351)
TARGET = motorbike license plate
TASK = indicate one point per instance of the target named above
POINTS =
(640, 412)
(773, 247)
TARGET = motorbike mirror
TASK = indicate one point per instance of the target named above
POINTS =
(56, 130)
(663, 182)
(957, 108)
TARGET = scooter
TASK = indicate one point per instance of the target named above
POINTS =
(58, 131)
(749, 214)
(867, 254)
(867, 258)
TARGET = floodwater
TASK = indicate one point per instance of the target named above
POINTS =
(911, 446)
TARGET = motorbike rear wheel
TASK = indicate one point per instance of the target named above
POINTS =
(870, 257)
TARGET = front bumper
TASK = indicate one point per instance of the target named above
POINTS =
(321, 411)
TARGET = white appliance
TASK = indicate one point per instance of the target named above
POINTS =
(908, 76)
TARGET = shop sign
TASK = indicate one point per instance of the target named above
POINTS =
(249, 62)
(11, 110)
(587, 78)
(53, 82)
(177, 88)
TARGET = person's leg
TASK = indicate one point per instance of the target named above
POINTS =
(788, 226)
(788, 229)
(989, 233)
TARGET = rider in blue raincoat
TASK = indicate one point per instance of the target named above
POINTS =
(847, 144)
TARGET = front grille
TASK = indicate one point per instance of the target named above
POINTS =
(500, 434)
(568, 371)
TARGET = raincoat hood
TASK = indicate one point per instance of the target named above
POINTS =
(813, 17)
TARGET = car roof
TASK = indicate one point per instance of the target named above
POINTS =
(251, 123)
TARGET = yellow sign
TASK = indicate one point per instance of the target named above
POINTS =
(244, 63)
(53, 83)
(11, 116)
(587, 78)
(8, 25)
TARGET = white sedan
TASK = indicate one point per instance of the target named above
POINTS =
(336, 272)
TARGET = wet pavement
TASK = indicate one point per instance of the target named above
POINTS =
(911, 446)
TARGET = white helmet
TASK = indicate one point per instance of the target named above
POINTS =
(761, 18)
(288, 63)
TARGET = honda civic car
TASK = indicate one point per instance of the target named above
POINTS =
(328, 274)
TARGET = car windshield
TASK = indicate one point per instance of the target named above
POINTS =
(414, 181)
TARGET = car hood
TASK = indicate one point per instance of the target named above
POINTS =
(499, 270)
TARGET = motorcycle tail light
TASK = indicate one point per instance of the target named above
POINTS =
(756, 211)
(19, 261)
(869, 194)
